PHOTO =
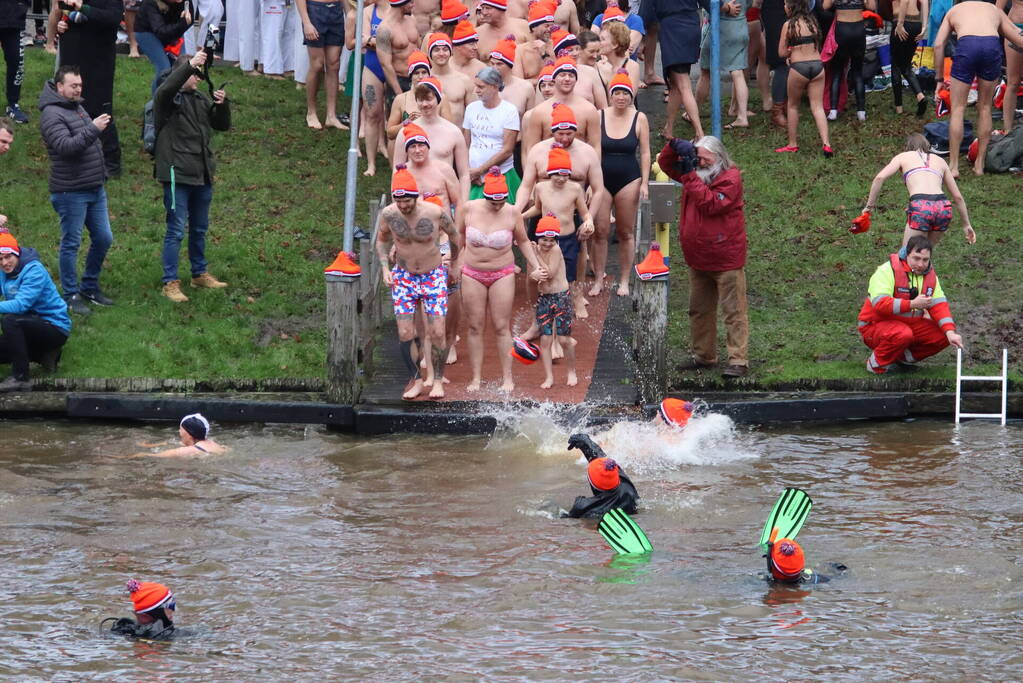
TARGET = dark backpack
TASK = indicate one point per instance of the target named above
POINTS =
(937, 134)
(1005, 152)
(149, 129)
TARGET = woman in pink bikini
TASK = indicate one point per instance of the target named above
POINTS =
(930, 211)
(488, 227)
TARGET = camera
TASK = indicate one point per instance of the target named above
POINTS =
(212, 42)
(913, 293)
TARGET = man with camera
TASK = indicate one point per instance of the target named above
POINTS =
(712, 230)
(88, 40)
(185, 119)
(906, 316)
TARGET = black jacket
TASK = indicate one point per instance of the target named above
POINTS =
(90, 45)
(185, 122)
(623, 496)
(162, 20)
(72, 141)
(12, 13)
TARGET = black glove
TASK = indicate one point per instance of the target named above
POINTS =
(686, 153)
(585, 444)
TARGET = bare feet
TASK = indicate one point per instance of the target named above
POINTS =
(334, 122)
(598, 286)
(532, 333)
(623, 288)
(978, 168)
(438, 390)
(572, 379)
(453, 352)
(252, 73)
(556, 351)
(508, 386)
(134, 54)
(371, 171)
(414, 390)
(547, 383)
(580, 308)
(274, 77)
(473, 386)
(738, 123)
(313, 121)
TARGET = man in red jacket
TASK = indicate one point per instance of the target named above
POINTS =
(712, 230)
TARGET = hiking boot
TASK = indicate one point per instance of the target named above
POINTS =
(49, 359)
(14, 384)
(735, 371)
(694, 364)
(76, 304)
(15, 114)
(172, 290)
(97, 297)
(208, 281)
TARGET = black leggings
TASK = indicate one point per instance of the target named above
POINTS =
(25, 338)
(14, 55)
(40, 7)
(780, 83)
(902, 61)
(851, 37)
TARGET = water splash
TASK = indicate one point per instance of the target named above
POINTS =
(546, 426)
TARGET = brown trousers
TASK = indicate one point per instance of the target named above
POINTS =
(706, 288)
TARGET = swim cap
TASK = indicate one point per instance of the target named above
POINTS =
(147, 596)
(548, 226)
(524, 352)
(197, 426)
(675, 411)
(787, 561)
(8, 245)
(603, 474)
(495, 186)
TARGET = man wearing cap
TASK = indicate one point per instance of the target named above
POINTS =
(418, 276)
(518, 91)
(456, 86)
(537, 50)
(435, 178)
(465, 49)
(33, 317)
(397, 37)
(447, 144)
(154, 607)
(587, 118)
(495, 24)
(590, 86)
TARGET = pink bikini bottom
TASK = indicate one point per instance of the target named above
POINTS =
(488, 277)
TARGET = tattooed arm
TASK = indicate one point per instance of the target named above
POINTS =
(383, 245)
(387, 58)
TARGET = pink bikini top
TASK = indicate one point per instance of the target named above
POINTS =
(926, 158)
(500, 239)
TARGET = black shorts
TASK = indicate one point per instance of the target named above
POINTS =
(329, 21)
(404, 82)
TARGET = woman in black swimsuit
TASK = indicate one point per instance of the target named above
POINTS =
(851, 36)
(801, 41)
(623, 129)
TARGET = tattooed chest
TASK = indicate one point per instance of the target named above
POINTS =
(417, 230)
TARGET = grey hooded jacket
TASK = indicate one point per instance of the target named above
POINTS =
(72, 141)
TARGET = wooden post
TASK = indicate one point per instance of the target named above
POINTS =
(342, 340)
(649, 334)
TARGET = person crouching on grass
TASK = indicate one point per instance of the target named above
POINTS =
(554, 306)
(185, 119)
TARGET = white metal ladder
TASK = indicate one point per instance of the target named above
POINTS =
(960, 378)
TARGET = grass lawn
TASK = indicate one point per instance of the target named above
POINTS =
(277, 220)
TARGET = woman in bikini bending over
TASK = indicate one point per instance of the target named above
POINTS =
(801, 42)
(930, 211)
(488, 226)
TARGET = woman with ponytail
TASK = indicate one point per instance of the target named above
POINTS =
(801, 42)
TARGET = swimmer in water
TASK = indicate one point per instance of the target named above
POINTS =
(194, 432)
(673, 415)
(610, 486)
(154, 612)
(786, 564)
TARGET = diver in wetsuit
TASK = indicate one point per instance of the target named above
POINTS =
(610, 486)
(154, 613)
(787, 564)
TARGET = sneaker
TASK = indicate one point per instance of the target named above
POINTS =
(787, 148)
(76, 304)
(828, 152)
(208, 281)
(14, 384)
(97, 297)
(861, 115)
(653, 266)
(172, 290)
(15, 114)
(833, 115)
(694, 363)
(343, 266)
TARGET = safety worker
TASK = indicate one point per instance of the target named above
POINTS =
(906, 317)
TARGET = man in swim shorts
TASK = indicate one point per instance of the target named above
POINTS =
(978, 25)
(418, 276)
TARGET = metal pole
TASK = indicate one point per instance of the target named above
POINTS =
(353, 143)
(715, 68)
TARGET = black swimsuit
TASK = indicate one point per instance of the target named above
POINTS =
(618, 157)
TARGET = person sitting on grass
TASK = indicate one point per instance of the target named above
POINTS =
(33, 316)
(554, 306)
(154, 607)
(194, 432)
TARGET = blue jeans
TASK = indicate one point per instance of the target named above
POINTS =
(152, 48)
(190, 202)
(88, 208)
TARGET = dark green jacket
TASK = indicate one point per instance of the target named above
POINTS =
(185, 122)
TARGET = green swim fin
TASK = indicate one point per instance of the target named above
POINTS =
(622, 534)
(787, 516)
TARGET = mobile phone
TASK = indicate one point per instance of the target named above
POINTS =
(224, 85)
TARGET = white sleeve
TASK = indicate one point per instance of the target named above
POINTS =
(511, 117)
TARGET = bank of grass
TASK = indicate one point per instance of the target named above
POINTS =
(276, 221)
(808, 275)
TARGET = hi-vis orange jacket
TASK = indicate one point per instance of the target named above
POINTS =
(890, 291)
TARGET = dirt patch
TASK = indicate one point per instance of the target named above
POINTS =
(292, 327)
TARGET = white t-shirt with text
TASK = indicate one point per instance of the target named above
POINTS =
(486, 129)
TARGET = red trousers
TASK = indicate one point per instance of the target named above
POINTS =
(907, 340)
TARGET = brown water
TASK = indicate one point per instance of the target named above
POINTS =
(308, 555)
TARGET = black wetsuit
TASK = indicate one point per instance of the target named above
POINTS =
(154, 630)
(808, 576)
(623, 496)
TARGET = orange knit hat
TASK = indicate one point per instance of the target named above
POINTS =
(565, 64)
(603, 474)
(414, 133)
(494, 184)
(787, 560)
(8, 245)
(621, 81)
(437, 40)
(562, 117)
(343, 266)
(549, 226)
(613, 13)
(546, 73)
(402, 183)
(860, 224)
(452, 12)
(524, 351)
(653, 266)
(499, 4)
(562, 39)
(505, 50)
(675, 411)
(433, 83)
(539, 13)
(146, 596)
(558, 161)
(433, 198)
(418, 60)
(464, 33)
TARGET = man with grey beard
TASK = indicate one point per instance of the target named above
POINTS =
(712, 230)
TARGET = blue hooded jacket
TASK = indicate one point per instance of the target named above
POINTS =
(30, 290)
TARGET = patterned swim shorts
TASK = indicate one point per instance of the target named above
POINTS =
(929, 212)
(554, 314)
(410, 288)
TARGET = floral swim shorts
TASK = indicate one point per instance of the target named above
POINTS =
(929, 212)
(410, 288)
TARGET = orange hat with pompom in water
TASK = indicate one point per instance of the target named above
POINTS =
(494, 184)
(8, 245)
(403, 184)
(603, 474)
(675, 411)
(787, 559)
(147, 596)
